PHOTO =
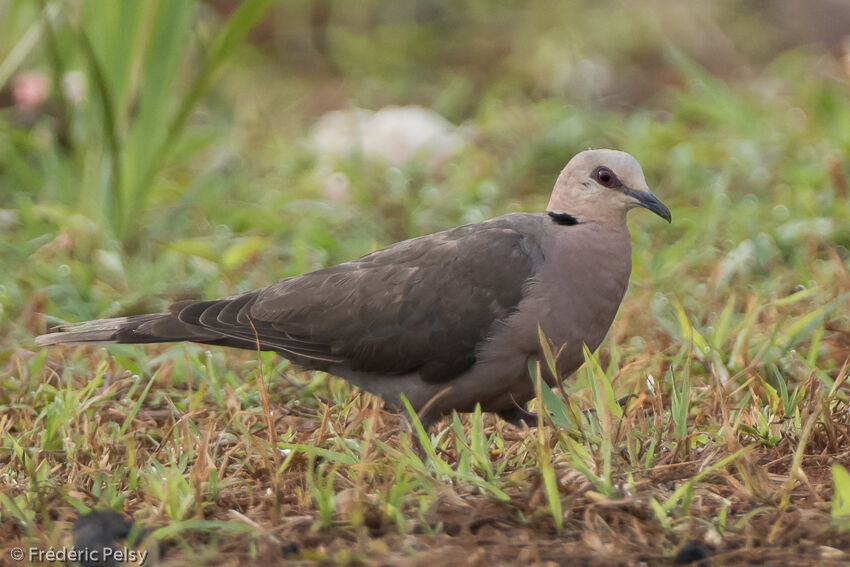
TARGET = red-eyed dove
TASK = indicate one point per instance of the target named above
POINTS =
(457, 310)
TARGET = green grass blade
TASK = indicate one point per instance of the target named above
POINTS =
(840, 507)
(243, 19)
(424, 440)
(137, 406)
(682, 491)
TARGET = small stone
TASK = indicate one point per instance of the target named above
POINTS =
(691, 552)
(830, 553)
(288, 549)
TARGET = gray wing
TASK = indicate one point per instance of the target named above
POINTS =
(423, 305)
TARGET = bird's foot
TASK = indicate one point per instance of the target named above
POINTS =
(519, 416)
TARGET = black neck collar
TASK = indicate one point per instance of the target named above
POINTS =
(565, 219)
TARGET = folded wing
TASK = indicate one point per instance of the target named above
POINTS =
(423, 305)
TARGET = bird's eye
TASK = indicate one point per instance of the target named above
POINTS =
(605, 177)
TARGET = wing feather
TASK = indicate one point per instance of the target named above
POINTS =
(423, 305)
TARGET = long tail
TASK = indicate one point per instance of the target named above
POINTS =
(151, 328)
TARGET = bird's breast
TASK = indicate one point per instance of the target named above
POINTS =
(580, 288)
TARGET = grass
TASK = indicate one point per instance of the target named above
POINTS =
(714, 416)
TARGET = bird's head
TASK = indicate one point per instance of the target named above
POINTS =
(603, 185)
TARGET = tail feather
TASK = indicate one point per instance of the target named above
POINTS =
(138, 329)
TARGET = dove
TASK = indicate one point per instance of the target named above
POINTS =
(449, 320)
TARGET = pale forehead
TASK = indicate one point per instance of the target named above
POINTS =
(619, 162)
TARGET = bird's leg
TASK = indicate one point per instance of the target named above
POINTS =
(427, 419)
(519, 415)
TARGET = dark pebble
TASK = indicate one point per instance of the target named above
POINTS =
(691, 552)
(99, 530)
(288, 549)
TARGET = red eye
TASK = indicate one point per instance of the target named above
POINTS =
(605, 177)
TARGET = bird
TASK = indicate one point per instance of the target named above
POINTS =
(449, 320)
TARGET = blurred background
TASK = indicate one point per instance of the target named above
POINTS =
(159, 150)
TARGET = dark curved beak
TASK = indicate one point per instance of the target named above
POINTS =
(649, 201)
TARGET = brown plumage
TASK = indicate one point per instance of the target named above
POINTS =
(457, 309)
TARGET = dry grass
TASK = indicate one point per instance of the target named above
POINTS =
(329, 478)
